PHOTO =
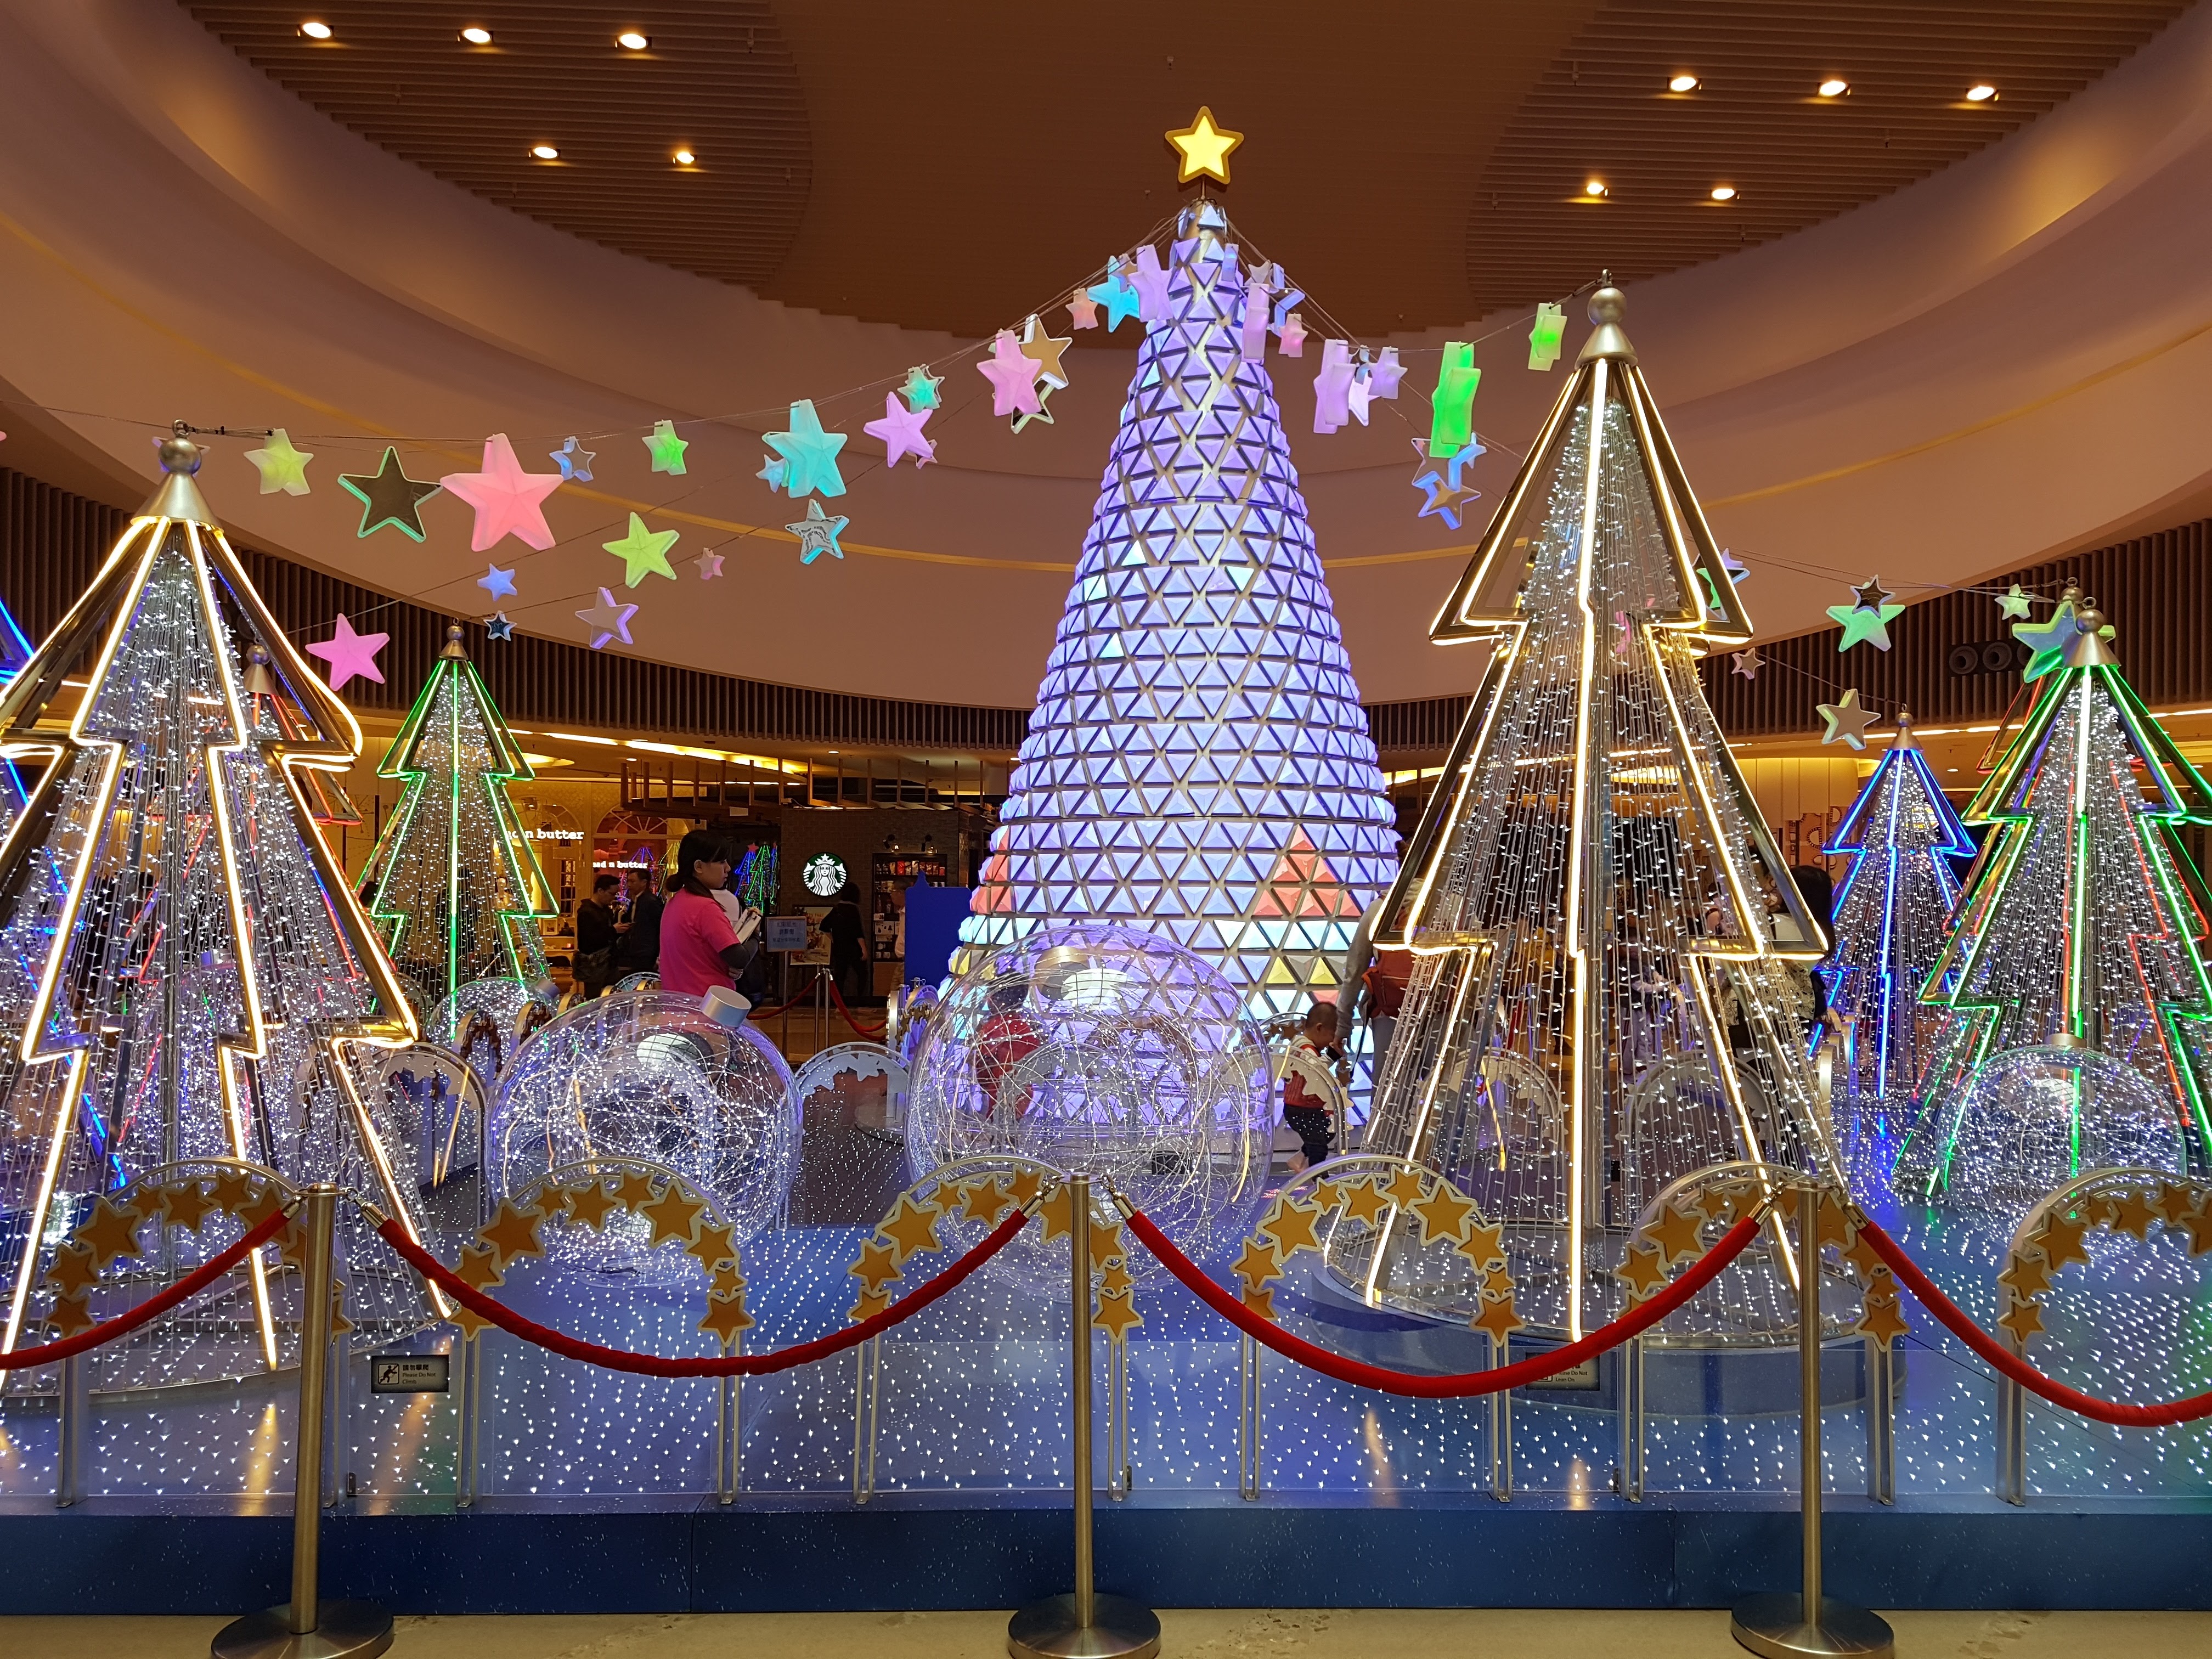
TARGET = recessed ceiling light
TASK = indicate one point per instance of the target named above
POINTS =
(1723, 193)
(1835, 87)
(633, 40)
(684, 158)
(545, 152)
(1595, 187)
(315, 31)
(477, 35)
(1981, 93)
(1685, 82)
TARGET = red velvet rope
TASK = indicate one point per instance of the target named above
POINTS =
(1536, 1367)
(735, 1364)
(154, 1306)
(848, 1012)
(759, 1014)
(2003, 1360)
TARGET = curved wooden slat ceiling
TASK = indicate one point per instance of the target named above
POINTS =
(862, 161)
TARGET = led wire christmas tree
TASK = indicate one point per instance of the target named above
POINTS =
(2076, 1014)
(1198, 763)
(184, 965)
(454, 881)
(1606, 994)
(1892, 918)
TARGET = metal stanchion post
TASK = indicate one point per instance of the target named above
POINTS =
(75, 1429)
(306, 1626)
(1501, 1426)
(729, 1445)
(1881, 1421)
(2012, 1441)
(1085, 1623)
(1782, 1623)
(470, 1353)
(1628, 1475)
(1247, 1419)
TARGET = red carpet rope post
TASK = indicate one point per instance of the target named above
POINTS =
(735, 1364)
(1464, 1384)
(2004, 1360)
(154, 1306)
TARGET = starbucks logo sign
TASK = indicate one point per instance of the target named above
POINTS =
(824, 875)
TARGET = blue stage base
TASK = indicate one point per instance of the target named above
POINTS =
(508, 1556)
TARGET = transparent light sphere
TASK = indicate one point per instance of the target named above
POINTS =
(647, 1075)
(1101, 1047)
(2036, 1117)
(501, 999)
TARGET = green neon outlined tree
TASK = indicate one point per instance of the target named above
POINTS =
(453, 880)
(2077, 1028)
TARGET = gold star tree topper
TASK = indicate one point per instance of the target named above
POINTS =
(1204, 148)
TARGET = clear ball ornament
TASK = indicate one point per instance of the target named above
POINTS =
(2036, 1117)
(647, 1075)
(1101, 1047)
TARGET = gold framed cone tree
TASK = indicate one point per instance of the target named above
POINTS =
(1609, 988)
(183, 964)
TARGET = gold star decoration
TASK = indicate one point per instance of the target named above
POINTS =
(674, 1215)
(2199, 1225)
(291, 1242)
(340, 1324)
(2175, 1200)
(1203, 148)
(869, 1304)
(1105, 1245)
(1642, 1271)
(1484, 1245)
(112, 1230)
(1405, 1187)
(1057, 1212)
(512, 1233)
(986, 1201)
(590, 1203)
(910, 1227)
(727, 1278)
(1257, 1265)
(1864, 1256)
(2027, 1276)
(1116, 1316)
(1444, 1213)
(1327, 1194)
(2060, 1237)
(717, 1242)
(1726, 1202)
(1023, 1186)
(878, 1266)
(2129, 1212)
(187, 1203)
(550, 1202)
(1677, 1233)
(1290, 1223)
(264, 1201)
(1365, 1201)
(72, 1271)
(1880, 1320)
(1260, 1301)
(233, 1188)
(2023, 1320)
(69, 1314)
(479, 1268)
(1114, 1281)
(1497, 1317)
(726, 1318)
(1835, 1222)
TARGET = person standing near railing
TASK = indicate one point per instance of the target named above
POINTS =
(700, 949)
(1305, 1110)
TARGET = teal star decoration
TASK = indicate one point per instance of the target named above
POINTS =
(1446, 497)
(810, 454)
(1847, 719)
(499, 627)
(921, 388)
(2014, 606)
(1118, 294)
(2048, 640)
(771, 473)
(643, 552)
(667, 449)
(1861, 624)
(817, 533)
(389, 496)
(575, 463)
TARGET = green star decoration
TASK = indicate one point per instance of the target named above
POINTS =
(666, 447)
(810, 454)
(2013, 606)
(2047, 639)
(644, 552)
(1861, 624)
(817, 533)
(921, 388)
(389, 496)
(281, 466)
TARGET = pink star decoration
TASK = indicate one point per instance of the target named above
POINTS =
(349, 653)
(1293, 334)
(607, 621)
(1252, 333)
(1083, 311)
(901, 431)
(1332, 386)
(1151, 281)
(1012, 374)
(710, 566)
(509, 501)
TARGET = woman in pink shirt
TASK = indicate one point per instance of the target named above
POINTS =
(700, 949)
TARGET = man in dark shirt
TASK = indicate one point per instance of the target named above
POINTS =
(638, 948)
(596, 938)
(849, 958)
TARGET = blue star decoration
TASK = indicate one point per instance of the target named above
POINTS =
(575, 463)
(1118, 294)
(500, 584)
(771, 472)
(2049, 640)
(1446, 496)
(817, 533)
(810, 454)
(498, 627)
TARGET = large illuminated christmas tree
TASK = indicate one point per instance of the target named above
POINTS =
(2077, 1013)
(184, 970)
(1891, 917)
(1198, 763)
(454, 881)
(1609, 988)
